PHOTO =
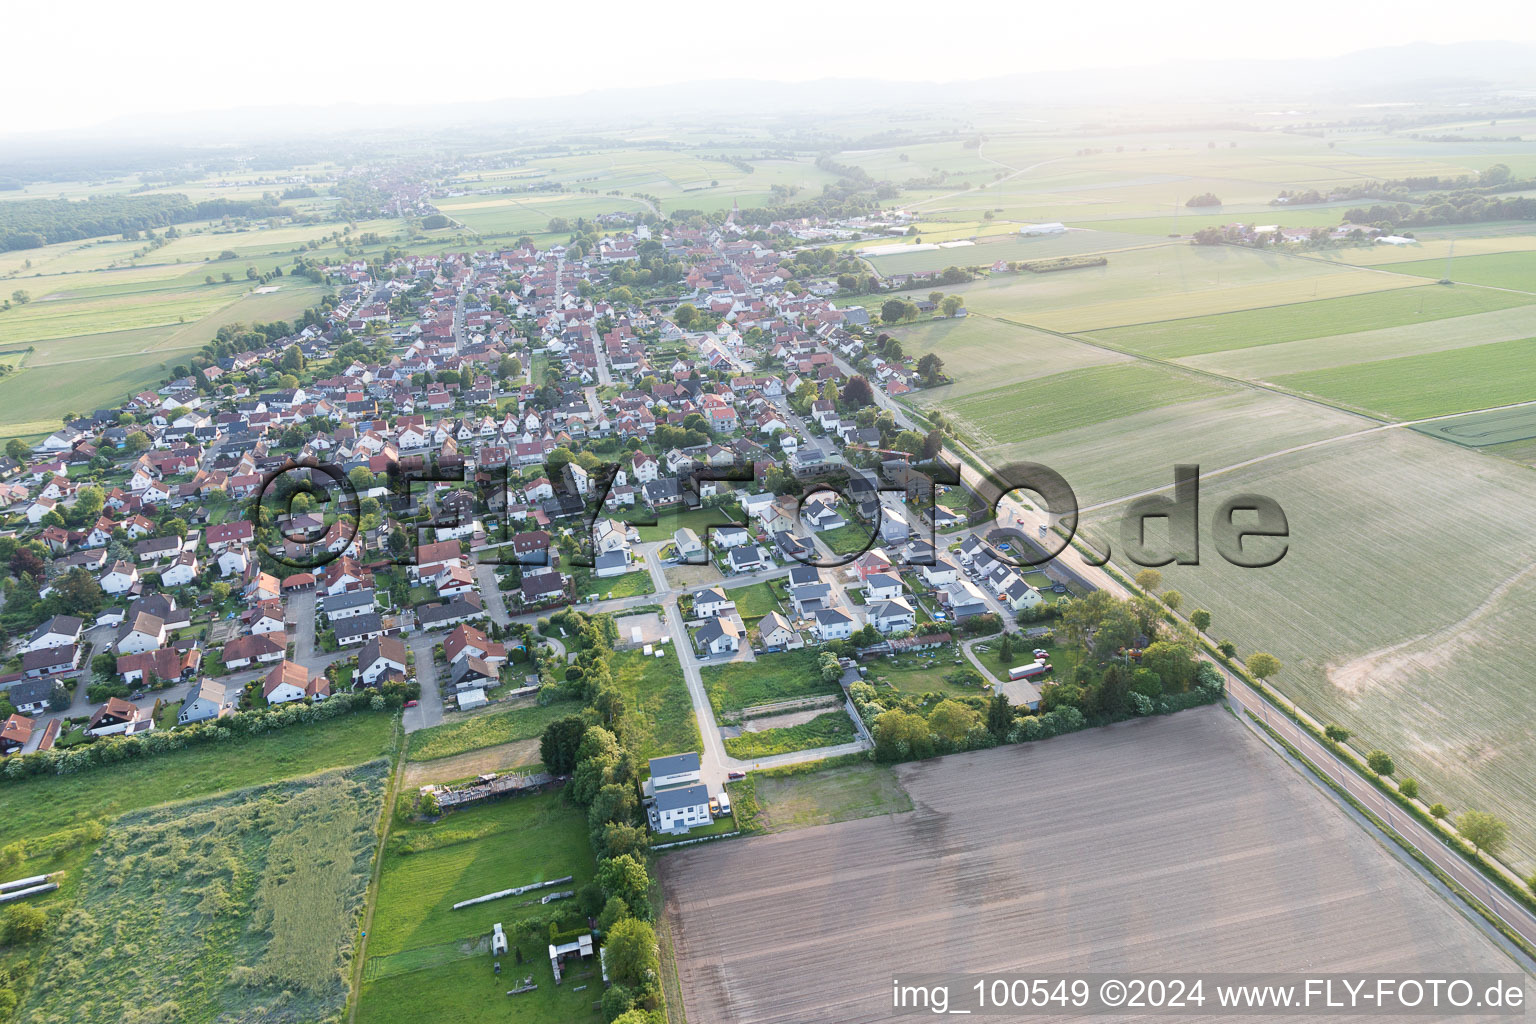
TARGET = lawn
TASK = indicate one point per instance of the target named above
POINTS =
(38, 806)
(851, 539)
(221, 909)
(485, 729)
(826, 730)
(660, 717)
(668, 523)
(1430, 384)
(428, 867)
(755, 600)
(631, 584)
(819, 797)
(916, 674)
(1173, 339)
(773, 677)
(458, 985)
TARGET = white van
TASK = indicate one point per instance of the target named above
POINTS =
(725, 804)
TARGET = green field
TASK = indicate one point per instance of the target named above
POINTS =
(1168, 282)
(773, 677)
(660, 716)
(38, 806)
(1434, 384)
(1008, 245)
(418, 940)
(1496, 270)
(755, 600)
(630, 584)
(819, 797)
(826, 730)
(485, 729)
(241, 907)
(1076, 398)
(668, 523)
(1173, 339)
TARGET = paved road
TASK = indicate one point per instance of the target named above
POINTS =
(429, 708)
(301, 612)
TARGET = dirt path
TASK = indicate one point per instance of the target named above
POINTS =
(474, 762)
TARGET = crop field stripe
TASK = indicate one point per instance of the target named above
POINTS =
(1483, 377)
(1304, 320)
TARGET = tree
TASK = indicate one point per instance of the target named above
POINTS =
(1149, 580)
(1200, 619)
(1228, 649)
(1174, 662)
(1438, 810)
(1261, 665)
(361, 477)
(901, 734)
(1173, 599)
(21, 296)
(632, 956)
(17, 449)
(858, 393)
(614, 911)
(1409, 788)
(558, 746)
(930, 366)
(895, 310)
(137, 441)
(1005, 648)
(1380, 762)
(999, 716)
(685, 315)
(24, 924)
(625, 876)
(1336, 733)
(953, 720)
(1485, 832)
(951, 305)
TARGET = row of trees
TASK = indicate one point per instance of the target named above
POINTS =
(597, 748)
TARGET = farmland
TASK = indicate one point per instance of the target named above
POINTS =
(240, 906)
(1174, 339)
(742, 684)
(660, 717)
(1496, 270)
(1134, 884)
(1076, 398)
(1436, 543)
(428, 961)
(1432, 384)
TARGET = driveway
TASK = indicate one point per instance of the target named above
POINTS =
(429, 708)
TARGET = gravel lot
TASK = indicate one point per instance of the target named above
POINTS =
(1177, 843)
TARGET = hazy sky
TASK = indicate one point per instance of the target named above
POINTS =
(72, 65)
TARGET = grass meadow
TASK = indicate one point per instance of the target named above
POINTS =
(485, 729)
(240, 907)
(773, 677)
(660, 717)
(426, 961)
(34, 808)
(826, 730)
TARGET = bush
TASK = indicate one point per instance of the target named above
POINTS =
(1409, 788)
(1380, 762)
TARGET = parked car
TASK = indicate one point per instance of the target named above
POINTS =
(735, 775)
(1041, 652)
(412, 703)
